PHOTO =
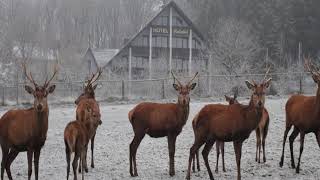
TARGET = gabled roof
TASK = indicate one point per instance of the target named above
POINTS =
(102, 56)
(179, 11)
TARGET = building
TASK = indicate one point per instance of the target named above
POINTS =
(169, 41)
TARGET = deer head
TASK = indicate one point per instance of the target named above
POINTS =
(93, 115)
(314, 70)
(184, 90)
(232, 100)
(88, 88)
(39, 92)
(258, 90)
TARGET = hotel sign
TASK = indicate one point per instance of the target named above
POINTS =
(175, 30)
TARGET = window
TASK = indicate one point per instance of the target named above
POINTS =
(195, 44)
(142, 41)
(176, 21)
(160, 41)
(162, 21)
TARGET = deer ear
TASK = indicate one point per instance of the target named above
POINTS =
(176, 87)
(267, 83)
(51, 88)
(250, 85)
(94, 87)
(29, 89)
(192, 86)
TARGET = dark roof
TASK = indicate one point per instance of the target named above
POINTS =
(102, 56)
(170, 4)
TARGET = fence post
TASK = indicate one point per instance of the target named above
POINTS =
(163, 90)
(122, 89)
(3, 93)
(199, 88)
(300, 84)
(17, 94)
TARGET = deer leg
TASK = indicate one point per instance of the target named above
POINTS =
(222, 153)
(205, 153)
(198, 163)
(292, 137)
(218, 152)
(258, 142)
(172, 148)
(12, 155)
(29, 155)
(133, 151)
(92, 147)
(75, 164)
(36, 163)
(82, 160)
(5, 153)
(237, 148)
(195, 147)
(68, 156)
(301, 149)
(194, 163)
(263, 145)
(283, 144)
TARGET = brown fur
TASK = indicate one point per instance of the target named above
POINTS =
(77, 135)
(80, 114)
(88, 93)
(25, 130)
(303, 113)
(225, 123)
(159, 120)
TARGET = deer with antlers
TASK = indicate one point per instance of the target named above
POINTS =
(225, 123)
(219, 145)
(26, 129)
(88, 93)
(160, 120)
(77, 135)
(303, 113)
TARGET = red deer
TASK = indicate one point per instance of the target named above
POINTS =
(26, 129)
(219, 145)
(225, 123)
(89, 93)
(302, 112)
(77, 135)
(160, 120)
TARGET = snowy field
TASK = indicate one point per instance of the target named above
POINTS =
(115, 134)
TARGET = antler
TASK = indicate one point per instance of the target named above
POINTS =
(174, 78)
(46, 83)
(94, 77)
(193, 78)
(310, 67)
(265, 76)
(28, 76)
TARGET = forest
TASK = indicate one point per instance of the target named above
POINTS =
(249, 34)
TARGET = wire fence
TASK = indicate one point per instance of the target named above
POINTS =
(155, 89)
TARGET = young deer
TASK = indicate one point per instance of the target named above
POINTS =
(303, 113)
(88, 93)
(225, 123)
(160, 120)
(26, 129)
(219, 145)
(77, 135)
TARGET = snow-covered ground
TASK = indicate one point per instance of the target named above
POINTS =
(115, 134)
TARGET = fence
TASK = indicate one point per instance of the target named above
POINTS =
(207, 86)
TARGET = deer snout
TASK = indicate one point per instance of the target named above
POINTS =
(100, 122)
(259, 103)
(39, 107)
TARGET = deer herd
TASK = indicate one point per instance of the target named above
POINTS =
(25, 130)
